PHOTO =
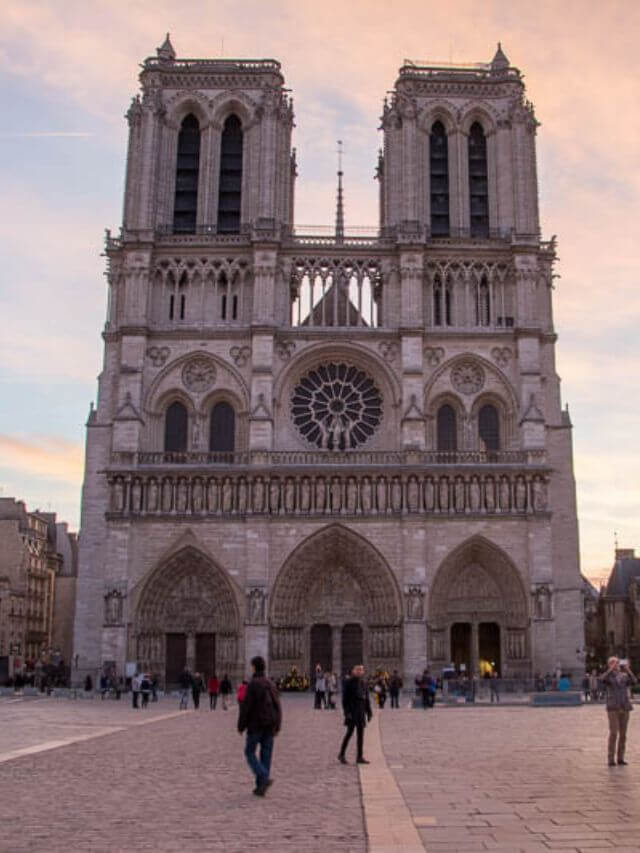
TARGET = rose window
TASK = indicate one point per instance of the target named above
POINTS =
(336, 406)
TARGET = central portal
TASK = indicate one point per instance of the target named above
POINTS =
(335, 603)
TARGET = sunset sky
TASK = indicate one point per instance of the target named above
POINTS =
(68, 70)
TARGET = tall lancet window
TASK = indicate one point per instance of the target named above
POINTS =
(187, 168)
(439, 178)
(447, 432)
(478, 182)
(230, 194)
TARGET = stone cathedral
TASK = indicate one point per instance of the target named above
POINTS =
(329, 448)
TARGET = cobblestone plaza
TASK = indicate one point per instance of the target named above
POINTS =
(98, 776)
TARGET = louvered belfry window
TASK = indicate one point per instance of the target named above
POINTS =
(478, 182)
(439, 180)
(230, 193)
(222, 429)
(175, 428)
(447, 431)
(187, 168)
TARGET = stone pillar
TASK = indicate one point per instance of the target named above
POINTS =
(415, 650)
(256, 642)
(191, 650)
(475, 649)
(336, 654)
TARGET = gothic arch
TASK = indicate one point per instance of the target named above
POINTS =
(477, 577)
(440, 110)
(232, 102)
(502, 388)
(479, 111)
(187, 592)
(352, 554)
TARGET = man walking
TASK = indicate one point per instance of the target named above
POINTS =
(185, 687)
(617, 680)
(357, 710)
(135, 690)
(261, 717)
(395, 685)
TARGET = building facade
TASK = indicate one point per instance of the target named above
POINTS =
(38, 565)
(615, 621)
(328, 449)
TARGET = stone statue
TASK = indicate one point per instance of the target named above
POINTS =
(365, 496)
(443, 494)
(227, 495)
(543, 602)
(118, 495)
(258, 495)
(521, 494)
(474, 494)
(459, 493)
(352, 495)
(113, 608)
(212, 494)
(274, 495)
(413, 496)
(305, 495)
(415, 603)
(489, 494)
(505, 496)
(152, 495)
(321, 494)
(182, 496)
(396, 494)
(290, 495)
(256, 600)
(429, 494)
(136, 495)
(242, 495)
(381, 494)
(197, 498)
(167, 494)
(336, 494)
(539, 488)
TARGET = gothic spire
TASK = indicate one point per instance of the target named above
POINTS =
(339, 203)
(499, 61)
(166, 52)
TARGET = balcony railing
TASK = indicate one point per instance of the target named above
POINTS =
(329, 458)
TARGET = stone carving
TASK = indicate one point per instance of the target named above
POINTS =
(336, 407)
(285, 349)
(433, 356)
(474, 590)
(501, 356)
(240, 355)
(257, 606)
(516, 645)
(311, 494)
(415, 603)
(114, 603)
(199, 374)
(286, 643)
(388, 350)
(467, 377)
(158, 355)
(542, 601)
(437, 645)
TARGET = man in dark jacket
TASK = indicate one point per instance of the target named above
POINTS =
(261, 717)
(357, 710)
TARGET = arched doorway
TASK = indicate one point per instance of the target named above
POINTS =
(335, 602)
(186, 616)
(478, 613)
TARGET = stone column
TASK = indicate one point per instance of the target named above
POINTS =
(415, 650)
(336, 654)
(475, 650)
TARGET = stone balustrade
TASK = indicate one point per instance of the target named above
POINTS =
(238, 494)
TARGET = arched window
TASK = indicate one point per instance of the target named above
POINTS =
(478, 182)
(439, 180)
(489, 427)
(447, 432)
(230, 192)
(186, 200)
(442, 302)
(175, 428)
(222, 429)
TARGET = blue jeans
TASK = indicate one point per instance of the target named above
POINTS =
(262, 766)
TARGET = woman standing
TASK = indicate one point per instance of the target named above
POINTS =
(225, 691)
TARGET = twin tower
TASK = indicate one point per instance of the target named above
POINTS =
(328, 449)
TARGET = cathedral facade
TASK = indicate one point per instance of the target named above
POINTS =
(328, 449)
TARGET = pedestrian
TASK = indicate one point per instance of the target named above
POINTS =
(395, 685)
(494, 687)
(332, 689)
(104, 685)
(320, 688)
(617, 680)
(261, 717)
(357, 710)
(381, 691)
(214, 689)
(241, 690)
(154, 687)
(145, 689)
(225, 691)
(135, 690)
(197, 686)
(586, 688)
(185, 687)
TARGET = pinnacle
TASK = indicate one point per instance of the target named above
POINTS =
(166, 51)
(499, 61)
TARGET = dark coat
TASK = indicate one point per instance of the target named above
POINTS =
(355, 700)
(260, 710)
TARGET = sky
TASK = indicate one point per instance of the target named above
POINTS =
(68, 70)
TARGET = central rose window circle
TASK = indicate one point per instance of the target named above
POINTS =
(336, 406)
